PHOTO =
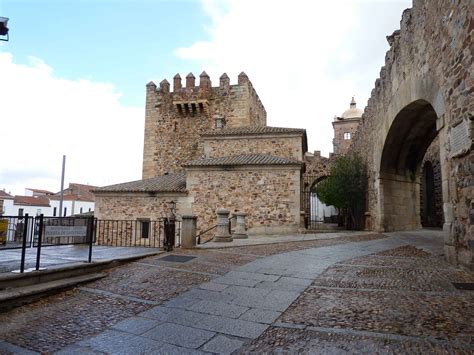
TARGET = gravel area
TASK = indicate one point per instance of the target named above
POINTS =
(289, 341)
(57, 321)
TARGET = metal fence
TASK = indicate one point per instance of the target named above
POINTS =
(24, 232)
(31, 234)
(161, 233)
(16, 231)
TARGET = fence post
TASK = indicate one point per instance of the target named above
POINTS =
(90, 232)
(169, 233)
(40, 237)
(240, 232)
(222, 233)
(23, 244)
(188, 231)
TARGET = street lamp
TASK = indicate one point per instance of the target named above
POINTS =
(3, 28)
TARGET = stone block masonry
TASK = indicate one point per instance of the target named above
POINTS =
(270, 196)
(175, 120)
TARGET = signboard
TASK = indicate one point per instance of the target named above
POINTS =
(3, 231)
(65, 231)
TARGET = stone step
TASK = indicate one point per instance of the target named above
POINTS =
(15, 297)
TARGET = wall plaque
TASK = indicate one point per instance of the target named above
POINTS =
(460, 140)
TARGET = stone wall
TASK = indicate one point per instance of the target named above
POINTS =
(316, 167)
(269, 195)
(425, 90)
(281, 146)
(120, 215)
(341, 145)
(175, 120)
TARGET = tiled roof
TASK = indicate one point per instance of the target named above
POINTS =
(246, 159)
(46, 192)
(73, 197)
(42, 201)
(252, 130)
(164, 183)
(4, 194)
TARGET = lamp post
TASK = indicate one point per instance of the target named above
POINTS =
(4, 28)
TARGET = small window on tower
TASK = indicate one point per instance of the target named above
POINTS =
(347, 135)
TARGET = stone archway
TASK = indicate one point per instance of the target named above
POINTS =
(410, 134)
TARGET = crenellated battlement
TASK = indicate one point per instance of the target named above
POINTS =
(177, 115)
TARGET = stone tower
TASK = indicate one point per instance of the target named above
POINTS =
(175, 120)
(345, 127)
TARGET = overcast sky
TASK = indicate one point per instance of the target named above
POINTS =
(73, 75)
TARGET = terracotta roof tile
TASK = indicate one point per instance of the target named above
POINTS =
(246, 159)
(73, 197)
(4, 194)
(42, 201)
(252, 130)
(164, 183)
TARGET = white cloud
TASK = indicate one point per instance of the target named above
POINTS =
(305, 58)
(43, 117)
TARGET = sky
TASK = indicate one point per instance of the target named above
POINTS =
(73, 74)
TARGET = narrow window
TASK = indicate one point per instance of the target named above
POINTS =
(347, 135)
(144, 227)
(80, 210)
(20, 212)
(65, 211)
(54, 212)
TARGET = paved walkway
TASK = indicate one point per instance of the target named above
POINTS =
(223, 315)
(275, 239)
(65, 254)
(360, 294)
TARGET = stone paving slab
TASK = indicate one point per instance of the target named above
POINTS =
(179, 335)
(116, 342)
(274, 301)
(218, 309)
(213, 286)
(7, 349)
(233, 280)
(136, 325)
(223, 345)
(260, 316)
(252, 276)
(241, 291)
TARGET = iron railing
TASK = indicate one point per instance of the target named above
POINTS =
(164, 232)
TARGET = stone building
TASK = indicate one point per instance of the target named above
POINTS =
(209, 147)
(345, 127)
(424, 97)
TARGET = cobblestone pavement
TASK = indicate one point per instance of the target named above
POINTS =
(62, 319)
(401, 300)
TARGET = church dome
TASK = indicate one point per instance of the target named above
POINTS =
(353, 111)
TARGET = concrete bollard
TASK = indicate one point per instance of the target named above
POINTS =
(188, 231)
(240, 232)
(222, 232)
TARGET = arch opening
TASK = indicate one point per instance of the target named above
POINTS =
(319, 215)
(410, 135)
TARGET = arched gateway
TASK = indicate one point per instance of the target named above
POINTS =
(424, 97)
